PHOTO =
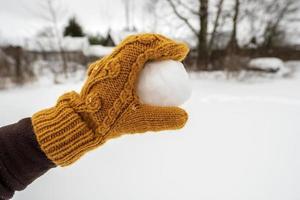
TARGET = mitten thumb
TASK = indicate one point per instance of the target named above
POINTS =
(143, 118)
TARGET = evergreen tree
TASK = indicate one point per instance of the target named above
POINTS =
(73, 28)
(96, 39)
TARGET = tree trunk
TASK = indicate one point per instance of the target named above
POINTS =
(215, 28)
(233, 44)
(202, 57)
(64, 62)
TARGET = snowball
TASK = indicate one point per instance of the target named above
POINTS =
(164, 83)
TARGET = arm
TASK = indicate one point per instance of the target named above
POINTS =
(21, 159)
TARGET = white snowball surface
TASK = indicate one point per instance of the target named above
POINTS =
(164, 83)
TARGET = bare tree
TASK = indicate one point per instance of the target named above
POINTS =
(268, 20)
(279, 11)
(233, 46)
(129, 14)
(6, 64)
(202, 50)
(252, 13)
(201, 13)
(53, 13)
(215, 26)
(150, 8)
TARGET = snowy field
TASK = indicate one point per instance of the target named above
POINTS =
(240, 143)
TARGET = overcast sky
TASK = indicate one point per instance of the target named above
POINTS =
(20, 18)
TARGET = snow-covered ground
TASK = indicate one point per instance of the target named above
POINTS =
(241, 142)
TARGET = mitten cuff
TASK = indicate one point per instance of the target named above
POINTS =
(62, 133)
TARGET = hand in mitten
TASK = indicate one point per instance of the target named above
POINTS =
(108, 105)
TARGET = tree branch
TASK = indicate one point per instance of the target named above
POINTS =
(216, 24)
(184, 19)
(188, 8)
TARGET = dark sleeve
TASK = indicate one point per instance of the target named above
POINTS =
(21, 159)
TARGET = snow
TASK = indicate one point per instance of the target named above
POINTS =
(269, 63)
(70, 44)
(241, 142)
(98, 50)
(49, 44)
(164, 83)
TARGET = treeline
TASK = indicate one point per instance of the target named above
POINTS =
(265, 22)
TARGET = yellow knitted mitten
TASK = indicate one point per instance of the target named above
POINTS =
(108, 106)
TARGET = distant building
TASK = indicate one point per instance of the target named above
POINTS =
(49, 49)
(75, 49)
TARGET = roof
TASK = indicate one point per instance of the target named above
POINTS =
(50, 44)
(98, 50)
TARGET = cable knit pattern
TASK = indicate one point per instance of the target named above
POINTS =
(108, 106)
